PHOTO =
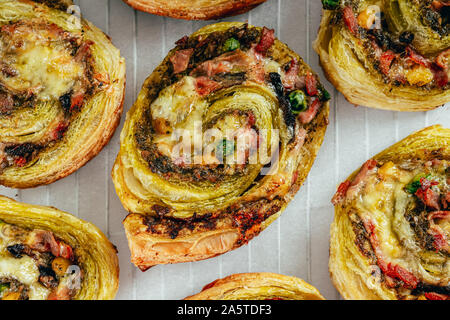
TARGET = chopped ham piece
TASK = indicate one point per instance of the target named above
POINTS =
(429, 197)
(292, 80)
(180, 60)
(440, 76)
(417, 58)
(205, 86)
(350, 20)
(311, 85)
(267, 40)
(308, 115)
(43, 241)
(389, 269)
(341, 193)
(351, 188)
(223, 63)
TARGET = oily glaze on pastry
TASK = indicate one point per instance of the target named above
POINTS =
(195, 9)
(387, 54)
(46, 254)
(237, 81)
(61, 91)
(258, 286)
(390, 236)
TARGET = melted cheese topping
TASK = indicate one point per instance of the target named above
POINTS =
(26, 272)
(49, 71)
(384, 202)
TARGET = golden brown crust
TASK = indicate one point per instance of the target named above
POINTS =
(356, 268)
(195, 9)
(92, 128)
(361, 86)
(156, 239)
(96, 256)
(258, 286)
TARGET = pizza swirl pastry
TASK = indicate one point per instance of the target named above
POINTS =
(46, 254)
(220, 139)
(195, 9)
(387, 54)
(61, 91)
(258, 286)
(390, 236)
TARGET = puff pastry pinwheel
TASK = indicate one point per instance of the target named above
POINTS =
(390, 236)
(47, 254)
(195, 9)
(388, 54)
(220, 139)
(61, 91)
(258, 286)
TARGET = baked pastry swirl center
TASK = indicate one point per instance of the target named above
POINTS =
(397, 209)
(61, 92)
(219, 141)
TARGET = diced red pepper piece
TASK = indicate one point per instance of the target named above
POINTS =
(386, 61)
(65, 251)
(350, 19)
(436, 296)
(20, 161)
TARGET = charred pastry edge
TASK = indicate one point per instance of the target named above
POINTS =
(135, 225)
(372, 96)
(104, 131)
(161, 8)
(97, 256)
(423, 145)
(295, 288)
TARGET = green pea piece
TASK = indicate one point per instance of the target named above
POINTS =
(231, 45)
(225, 149)
(298, 101)
(3, 287)
(330, 4)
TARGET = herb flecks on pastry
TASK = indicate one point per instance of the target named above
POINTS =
(389, 54)
(61, 93)
(392, 223)
(219, 141)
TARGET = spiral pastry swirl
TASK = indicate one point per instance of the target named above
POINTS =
(389, 54)
(61, 91)
(258, 286)
(220, 139)
(47, 254)
(390, 236)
